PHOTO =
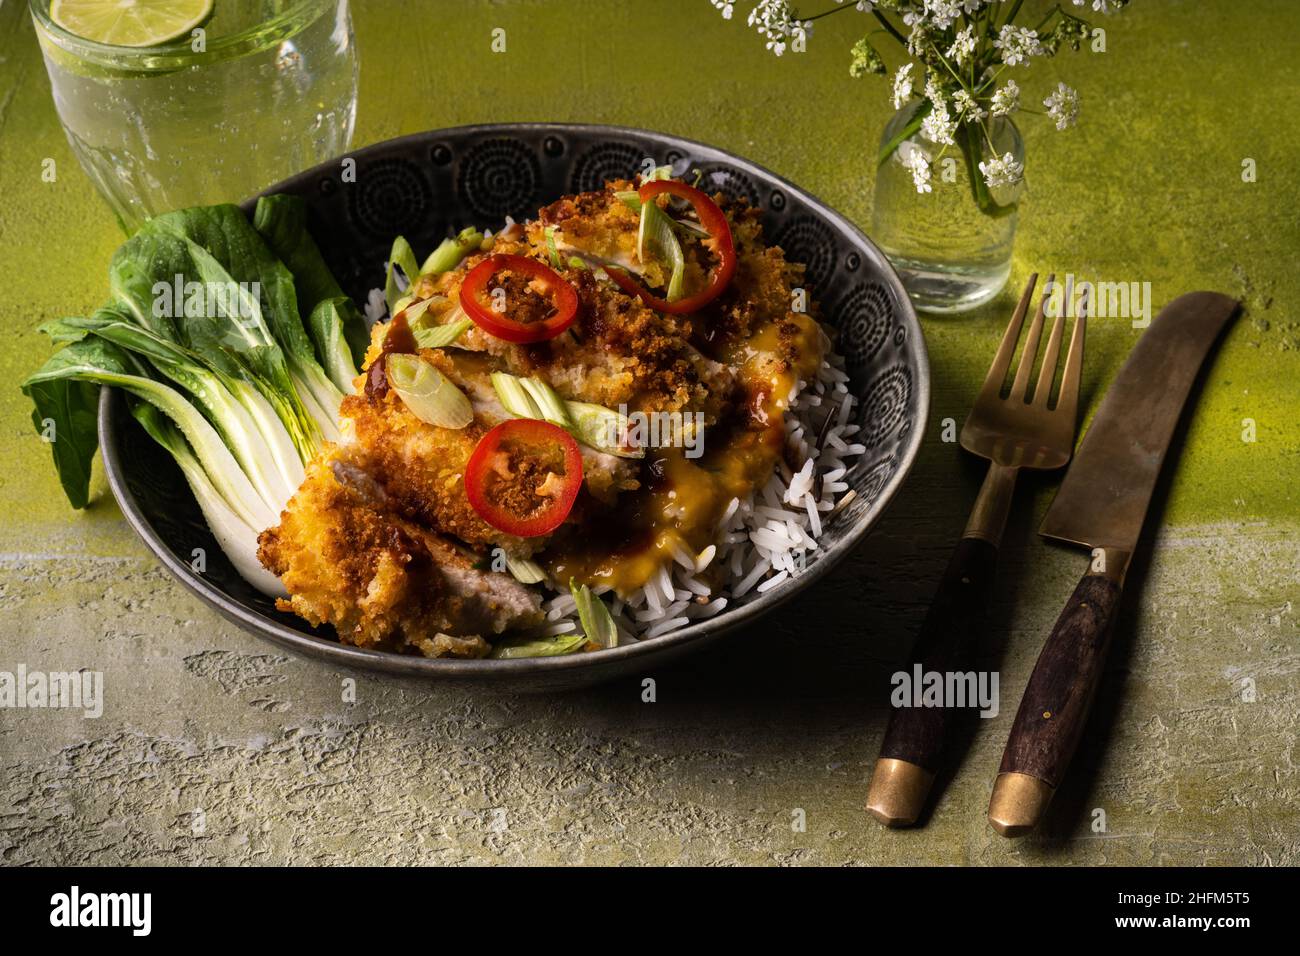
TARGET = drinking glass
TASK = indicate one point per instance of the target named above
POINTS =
(261, 90)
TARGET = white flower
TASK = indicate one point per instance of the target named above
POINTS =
(902, 85)
(1002, 172)
(725, 6)
(932, 91)
(914, 160)
(963, 45)
(1101, 6)
(918, 39)
(1063, 106)
(938, 126)
(942, 13)
(968, 110)
(1006, 100)
(774, 20)
(1017, 44)
(862, 5)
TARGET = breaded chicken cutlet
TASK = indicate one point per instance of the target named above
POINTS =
(398, 534)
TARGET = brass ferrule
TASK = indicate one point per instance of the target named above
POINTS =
(898, 792)
(1019, 802)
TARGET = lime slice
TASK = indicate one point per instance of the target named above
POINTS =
(137, 23)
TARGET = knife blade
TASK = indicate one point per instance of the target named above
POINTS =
(1102, 505)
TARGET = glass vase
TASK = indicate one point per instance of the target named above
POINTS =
(952, 245)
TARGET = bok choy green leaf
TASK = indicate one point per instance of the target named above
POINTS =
(103, 363)
(342, 342)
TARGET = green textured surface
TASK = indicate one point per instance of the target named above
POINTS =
(201, 717)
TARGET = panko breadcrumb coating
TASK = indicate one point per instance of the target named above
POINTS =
(381, 541)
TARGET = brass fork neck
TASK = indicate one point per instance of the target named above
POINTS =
(989, 516)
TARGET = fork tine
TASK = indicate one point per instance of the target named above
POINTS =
(1043, 390)
(1002, 361)
(1026, 367)
(1068, 400)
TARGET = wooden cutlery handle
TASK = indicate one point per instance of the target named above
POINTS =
(1056, 702)
(910, 753)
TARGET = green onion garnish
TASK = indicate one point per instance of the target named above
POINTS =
(514, 398)
(656, 235)
(440, 336)
(548, 401)
(551, 250)
(402, 256)
(520, 647)
(602, 428)
(524, 570)
(595, 618)
(430, 395)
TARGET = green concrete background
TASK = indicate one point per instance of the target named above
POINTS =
(215, 748)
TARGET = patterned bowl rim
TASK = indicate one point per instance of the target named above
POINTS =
(728, 620)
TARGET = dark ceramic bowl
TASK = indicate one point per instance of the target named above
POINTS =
(428, 186)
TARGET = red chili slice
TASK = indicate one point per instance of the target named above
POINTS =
(715, 224)
(502, 463)
(476, 300)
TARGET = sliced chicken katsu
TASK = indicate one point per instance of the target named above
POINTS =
(349, 560)
(573, 320)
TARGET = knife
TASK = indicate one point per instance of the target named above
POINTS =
(1101, 505)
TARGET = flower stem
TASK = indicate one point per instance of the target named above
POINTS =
(903, 134)
(887, 25)
(979, 190)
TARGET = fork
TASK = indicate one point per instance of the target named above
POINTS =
(1013, 432)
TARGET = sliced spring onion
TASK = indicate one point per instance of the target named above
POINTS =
(551, 250)
(594, 425)
(403, 257)
(602, 428)
(633, 201)
(450, 251)
(416, 309)
(594, 617)
(548, 401)
(520, 647)
(630, 199)
(524, 570)
(655, 236)
(428, 393)
(514, 397)
(440, 336)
